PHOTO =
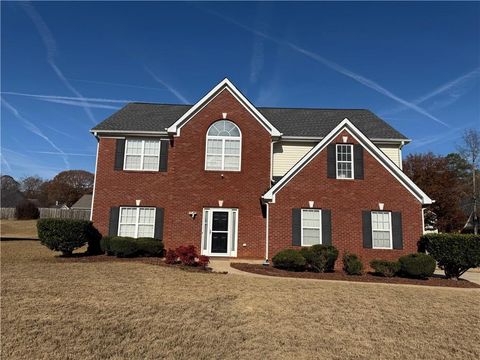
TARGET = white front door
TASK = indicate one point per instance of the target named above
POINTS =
(219, 232)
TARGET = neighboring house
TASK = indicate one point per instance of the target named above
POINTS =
(84, 203)
(59, 206)
(247, 182)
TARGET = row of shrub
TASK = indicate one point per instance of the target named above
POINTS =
(321, 258)
(122, 246)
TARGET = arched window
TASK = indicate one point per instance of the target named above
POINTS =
(224, 145)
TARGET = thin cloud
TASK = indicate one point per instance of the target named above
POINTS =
(454, 89)
(81, 103)
(117, 84)
(22, 164)
(51, 48)
(35, 130)
(432, 139)
(61, 154)
(167, 86)
(5, 162)
(57, 97)
(63, 133)
(257, 60)
(336, 67)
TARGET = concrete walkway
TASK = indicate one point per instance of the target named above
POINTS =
(223, 265)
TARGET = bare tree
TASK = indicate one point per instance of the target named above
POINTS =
(470, 151)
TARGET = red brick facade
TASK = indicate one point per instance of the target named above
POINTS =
(346, 199)
(186, 186)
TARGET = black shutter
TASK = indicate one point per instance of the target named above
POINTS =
(297, 227)
(159, 223)
(358, 161)
(119, 154)
(397, 233)
(326, 227)
(331, 161)
(113, 224)
(162, 166)
(367, 229)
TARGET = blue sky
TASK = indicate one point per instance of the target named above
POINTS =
(67, 66)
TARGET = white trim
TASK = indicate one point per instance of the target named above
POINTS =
(224, 138)
(142, 154)
(368, 145)
(266, 232)
(141, 132)
(137, 220)
(224, 84)
(232, 236)
(94, 181)
(351, 162)
(319, 138)
(319, 228)
(390, 229)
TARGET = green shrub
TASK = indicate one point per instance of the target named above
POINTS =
(320, 258)
(417, 265)
(385, 268)
(352, 264)
(64, 235)
(123, 246)
(289, 259)
(105, 245)
(149, 247)
(455, 253)
(94, 238)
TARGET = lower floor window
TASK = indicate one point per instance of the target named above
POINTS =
(136, 222)
(311, 227)
(381, 230)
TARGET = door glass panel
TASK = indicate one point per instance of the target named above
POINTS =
(219, 242)
(220, 221)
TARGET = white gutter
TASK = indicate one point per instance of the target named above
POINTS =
(266, 237)
(94, 180)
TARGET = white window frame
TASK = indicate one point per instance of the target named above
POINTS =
(224, 138)
(137, 219)
(382, 230)
(319, 228)
(344, 162)
(142, 154)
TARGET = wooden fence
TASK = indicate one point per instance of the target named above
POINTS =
(9, 213)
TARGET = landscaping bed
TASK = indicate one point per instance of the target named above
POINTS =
(338, 275)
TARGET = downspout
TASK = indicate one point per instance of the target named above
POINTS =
(266, 263)
(94, 177)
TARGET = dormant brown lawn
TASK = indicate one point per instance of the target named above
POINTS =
(53, 309)
(24, 229)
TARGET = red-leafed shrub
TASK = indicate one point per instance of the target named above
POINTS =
(203, 261)
(187, 255)
(171, 257)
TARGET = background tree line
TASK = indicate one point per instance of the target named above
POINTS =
(65, 188)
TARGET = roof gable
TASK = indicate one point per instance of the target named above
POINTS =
(347, 125)
(225, 84)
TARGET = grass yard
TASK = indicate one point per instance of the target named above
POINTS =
(18, 229)
(56, 309)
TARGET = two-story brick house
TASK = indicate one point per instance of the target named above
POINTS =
(247, 182)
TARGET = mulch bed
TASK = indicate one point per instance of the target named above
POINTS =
(85, 258)
(436, 280)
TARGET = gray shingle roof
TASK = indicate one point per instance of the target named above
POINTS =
(85, 202)
(289, 121)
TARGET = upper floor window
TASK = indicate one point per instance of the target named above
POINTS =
(224, 143)
(381, 230)
(142, 154)
(344, 161)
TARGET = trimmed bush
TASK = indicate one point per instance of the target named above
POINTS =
(123, 246)
(455, 253)
(105, 245)
(150, 247)
(289, 259)
(94, 238)
(385, 268)
(352, 264)
(417, 265)
(187, 255)
(26, 210)
(320, 258)
(64, 235)
(171, 257)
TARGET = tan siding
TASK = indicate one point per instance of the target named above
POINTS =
(393, 152)
(286, 154)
